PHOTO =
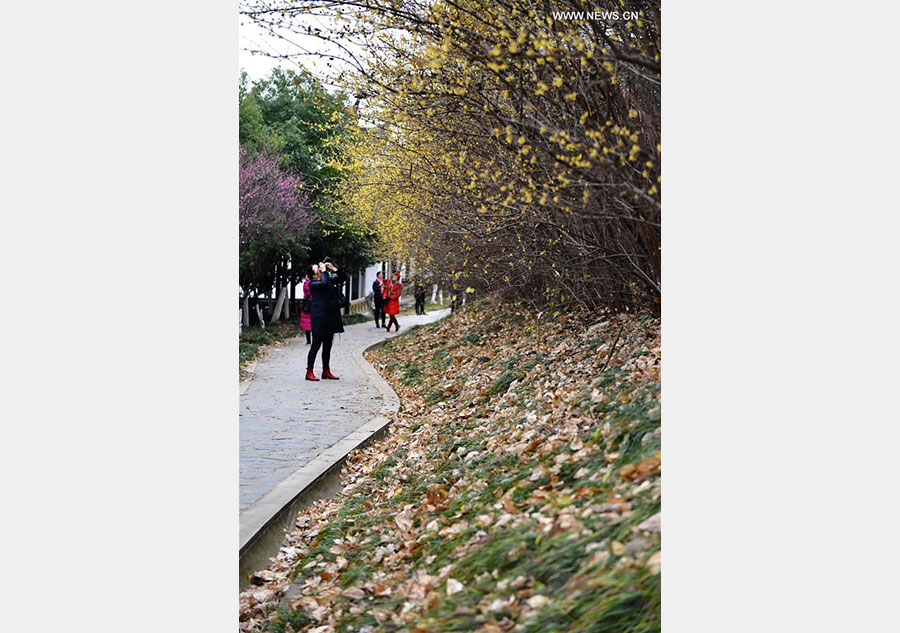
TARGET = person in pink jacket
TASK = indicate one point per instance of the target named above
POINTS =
(306, 302)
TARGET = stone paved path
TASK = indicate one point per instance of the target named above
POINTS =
(285, 420)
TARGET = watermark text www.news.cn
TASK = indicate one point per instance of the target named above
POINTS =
(596, 15)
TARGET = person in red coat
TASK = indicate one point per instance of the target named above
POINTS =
(306, 307)
(392, 290)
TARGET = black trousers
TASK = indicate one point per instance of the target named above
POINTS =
(420, 304)
(325, 342)
(379, 314)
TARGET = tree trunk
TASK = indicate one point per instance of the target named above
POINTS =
(276, 313)
(286, 306)
(259, 314)
(246, 309)
(293, 282)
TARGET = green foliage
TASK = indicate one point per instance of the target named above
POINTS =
(251, 131)
(309, 121)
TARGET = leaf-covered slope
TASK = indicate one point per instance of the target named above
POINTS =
(518, 489)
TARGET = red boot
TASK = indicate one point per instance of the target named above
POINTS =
(326, 373)
(310, 375)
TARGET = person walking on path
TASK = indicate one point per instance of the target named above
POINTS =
(325, 317)
(378, 299)
(306, 307)
(419, 295)
(392, 300)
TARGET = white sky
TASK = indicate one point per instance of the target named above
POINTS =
(253, 37)
(257, 66)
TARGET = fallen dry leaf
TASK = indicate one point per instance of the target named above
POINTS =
(538, 601)
(354, 593)
(454, 586)
(404, 520)
(653, 524)
(635, 472)
(654, 563)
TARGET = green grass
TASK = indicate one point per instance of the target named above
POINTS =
(429, 307)
(254, 339)
(441, 360)
(472, 338)
(410, 374)
(353, 319)
(296, 619)
(609, 603)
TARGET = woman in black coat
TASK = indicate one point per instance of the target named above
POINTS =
(325, 317)
(378, 298)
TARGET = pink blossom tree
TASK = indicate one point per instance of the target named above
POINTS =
(276, 216)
